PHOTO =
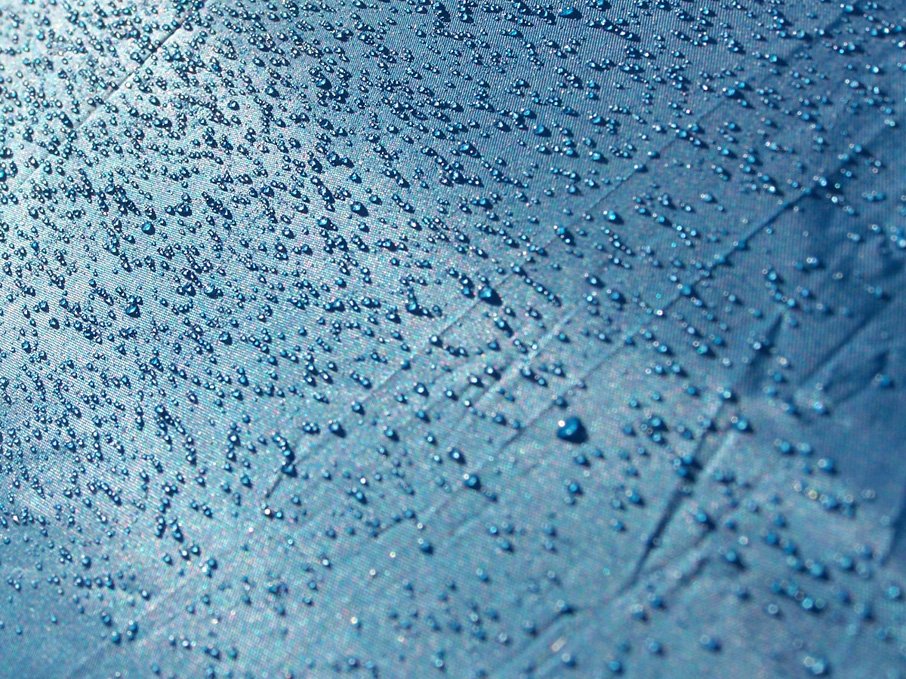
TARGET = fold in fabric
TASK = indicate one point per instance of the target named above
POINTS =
(479, 339)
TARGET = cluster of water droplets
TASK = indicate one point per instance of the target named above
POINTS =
(482, 338)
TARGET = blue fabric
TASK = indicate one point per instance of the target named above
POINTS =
(480, 339)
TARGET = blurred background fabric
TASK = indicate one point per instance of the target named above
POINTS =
(404, 338)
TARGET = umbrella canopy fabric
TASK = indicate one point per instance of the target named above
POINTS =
(480, 339)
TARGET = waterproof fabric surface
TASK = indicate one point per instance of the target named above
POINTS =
(472, 339)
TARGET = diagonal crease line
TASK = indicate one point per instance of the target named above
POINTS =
(701, 561)
(106, 97)
(751, 234)
(625, 590)
(899, 532)
(582, 617)
(86, 659)
(706, 271)
(673, 300)
(875, 310)
(877, 362)
(594, 205)
(619, 349)
(666, 518)
(676, 501)
(749, 381)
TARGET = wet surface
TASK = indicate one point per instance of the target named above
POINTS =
(412, 339)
